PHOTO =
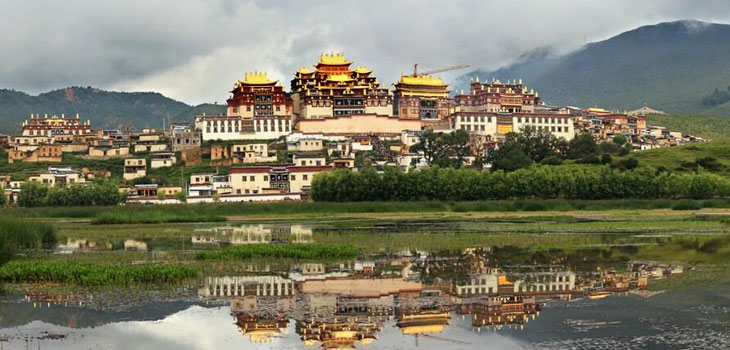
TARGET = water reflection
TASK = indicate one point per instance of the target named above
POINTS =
(253, 234)
(340, 305)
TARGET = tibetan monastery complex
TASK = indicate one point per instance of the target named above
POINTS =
(335, 98)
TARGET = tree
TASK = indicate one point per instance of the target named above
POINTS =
(181, 196)
(161, 195)
(512, 160)
(32, 194)
(582, 146)
(216, 197)
(430, 145)
(3, 199)
(457, 143)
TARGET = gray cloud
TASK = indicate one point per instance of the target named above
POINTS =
(194, 50)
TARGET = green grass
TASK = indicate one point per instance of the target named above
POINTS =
(708, 126)
(17, 235)
(85, 274)
(672, 157)
(152, 217)
(207, 212)
(288, 251)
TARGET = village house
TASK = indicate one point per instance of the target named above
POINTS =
(305, 145)
(162, 160)
(134, 168)
(59, 177)
(283, 178)
(40, 153)
(251, 153)
(309, 159)
(184, 138)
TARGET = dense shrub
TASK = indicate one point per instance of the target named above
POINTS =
(35, 194)
(536, 182)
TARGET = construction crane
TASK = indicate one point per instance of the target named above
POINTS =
(419, 74)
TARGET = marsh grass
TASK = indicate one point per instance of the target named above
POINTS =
(208, 211)
(88, 274)
(152, 217)
(17, 235)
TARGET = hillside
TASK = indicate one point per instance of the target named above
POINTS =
(669, 66)
(205, 108)
(105, 109)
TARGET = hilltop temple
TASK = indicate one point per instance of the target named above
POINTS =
(333, 89)
(421, 97)
(258, 108)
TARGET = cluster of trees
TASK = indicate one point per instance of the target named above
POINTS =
(531, 145)
(35, 194)
(444, 150)
(717, 97)
(542, 182)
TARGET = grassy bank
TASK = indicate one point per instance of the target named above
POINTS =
(288, 251)
(152, 217)
(85, 274)
(17, 235)
(213, 212)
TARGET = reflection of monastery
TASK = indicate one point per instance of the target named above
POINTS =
(255, 234)
(347, 305)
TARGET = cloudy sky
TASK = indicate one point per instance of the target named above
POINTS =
(194, 50)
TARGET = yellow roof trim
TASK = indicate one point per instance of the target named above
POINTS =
(333, 58)
(421, 80)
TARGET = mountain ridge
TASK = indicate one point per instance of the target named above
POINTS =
(670, 66)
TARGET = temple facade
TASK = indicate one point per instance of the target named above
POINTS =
(55, 126)
(334, 89)
(496, 96)
(259, 108)
(421, 97)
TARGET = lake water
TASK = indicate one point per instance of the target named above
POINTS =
(447, 290)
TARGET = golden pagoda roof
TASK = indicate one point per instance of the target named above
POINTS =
(362, 69)
(421, 80)
(256, 78)
(333, 58)
(339, 77)
(305, 70)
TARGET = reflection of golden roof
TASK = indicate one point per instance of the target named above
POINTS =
(262, 335)
(421, 80)
(432, 328)
(333, 58)
(256, 78)
(339, 77)
(502, 280)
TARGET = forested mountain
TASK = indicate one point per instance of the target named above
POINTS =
(681, 67)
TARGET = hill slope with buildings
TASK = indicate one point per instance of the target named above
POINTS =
(105, 109)
(679, 67)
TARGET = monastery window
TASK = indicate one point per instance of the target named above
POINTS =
(305, 177)
(482, 127)
(560, 129)
(252, 178)
(266, 178)
(519, 119)
(293, 177)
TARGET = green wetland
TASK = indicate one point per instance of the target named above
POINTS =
(464, 275)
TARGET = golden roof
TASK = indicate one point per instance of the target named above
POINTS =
(362, 69)
(256, 78)
(305, 70)
(421, 80)
(333, 58)
(339, 77)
